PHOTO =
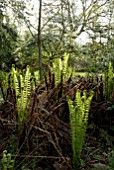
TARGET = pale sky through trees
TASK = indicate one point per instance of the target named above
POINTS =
(33, 8)
(81, 39)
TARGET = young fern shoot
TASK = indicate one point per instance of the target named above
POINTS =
(22, 87)
(7, 162)
(79, 110)
(60, 69)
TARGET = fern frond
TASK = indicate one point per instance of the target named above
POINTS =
(56, 69)
(22, 86)
(65, 65)
(60, 68)
(14, 81)
(37, 76)
(78, 112)
(26, 93)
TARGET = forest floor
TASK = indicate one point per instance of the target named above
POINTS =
(43, 142)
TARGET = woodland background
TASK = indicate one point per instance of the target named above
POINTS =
(56, 29)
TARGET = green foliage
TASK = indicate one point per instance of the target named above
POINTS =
(21, 84)
(4, 77)
(60, 69)
(57, 69)
(109, 82)
(110, 108)
(78, 123)
(111, 160)
(7, 162)
(35, 79)
(26, 51)
(8, 42)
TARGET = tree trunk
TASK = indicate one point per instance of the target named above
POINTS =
(39, 39)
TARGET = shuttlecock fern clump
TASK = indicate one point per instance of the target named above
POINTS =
(109, 81)
(61, 69)
(79, 110)
(21, 84)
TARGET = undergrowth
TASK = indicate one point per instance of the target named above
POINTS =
(48, 120)
(109, 82)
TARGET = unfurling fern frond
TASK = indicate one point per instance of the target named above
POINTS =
(78, 123)
(7, 162)
(57, 69)
(22, 87)
(35, 78)
(26, 92)
(66, 69)
(60, 69)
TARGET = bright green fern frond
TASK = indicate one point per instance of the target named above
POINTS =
(22, 85)
(60, 68)
(78, 122)
(27, 84)
(15, 81)
(37, 76)
(7, 162)
(25, 94)
(57, 68)
(65, 65)
(21, 82)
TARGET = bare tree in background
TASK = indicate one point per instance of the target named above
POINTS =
(39, 39)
